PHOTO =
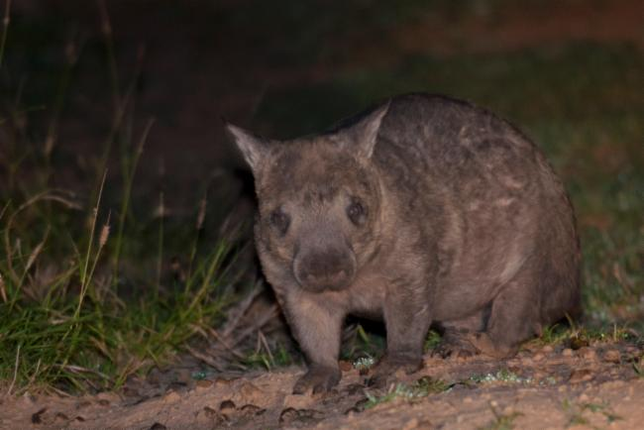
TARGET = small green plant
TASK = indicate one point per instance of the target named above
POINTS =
(432, 340)
(502, 375)
(364, 363)
(360, 346)
(555, 334)
(268, 358)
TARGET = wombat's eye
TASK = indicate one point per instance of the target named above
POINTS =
(356, 212)
(279, 220)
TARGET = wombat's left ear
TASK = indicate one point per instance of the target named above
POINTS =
(365, 132)
(252, 147)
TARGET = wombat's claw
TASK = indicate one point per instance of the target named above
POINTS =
(317, 380)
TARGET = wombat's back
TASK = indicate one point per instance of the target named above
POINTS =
(504, 210)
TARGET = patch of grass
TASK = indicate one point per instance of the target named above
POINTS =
(269, 358)
(362, 345)
(364, 363)
(576, 336)
(419, 389)
(432, 340)
(68, 318)
(555, 334)
(82, 301)
(502, 375)
(75, 332)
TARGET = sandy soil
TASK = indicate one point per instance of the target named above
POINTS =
(542, 387)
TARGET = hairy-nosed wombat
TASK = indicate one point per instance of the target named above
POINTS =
(422, 210)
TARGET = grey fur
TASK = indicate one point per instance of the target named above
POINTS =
(422, 210)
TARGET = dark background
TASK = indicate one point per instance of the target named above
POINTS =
(281, 68)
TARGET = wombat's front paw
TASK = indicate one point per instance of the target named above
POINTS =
(318, 379)
(387, 367)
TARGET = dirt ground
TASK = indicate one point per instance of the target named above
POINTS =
(543, 387)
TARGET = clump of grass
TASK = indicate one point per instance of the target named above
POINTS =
(576, 336)
(505, 376)
(79, 334)
(268, 358)
(419, 389)
(64, 321)
(364, 363)
(361, 346)
(432, 340)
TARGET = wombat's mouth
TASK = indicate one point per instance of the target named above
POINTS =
(326, 270)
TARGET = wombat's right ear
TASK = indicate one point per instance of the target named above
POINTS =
(252, 147)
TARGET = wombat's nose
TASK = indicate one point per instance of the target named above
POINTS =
(327, 270)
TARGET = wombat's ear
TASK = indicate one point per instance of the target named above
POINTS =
(252, 147)
(365, 132)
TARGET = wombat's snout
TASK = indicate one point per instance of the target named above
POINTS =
(324, 269)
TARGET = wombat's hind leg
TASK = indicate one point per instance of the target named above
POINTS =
(456, 337)
(514, 315)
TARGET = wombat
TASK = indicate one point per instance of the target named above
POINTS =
(424, 209)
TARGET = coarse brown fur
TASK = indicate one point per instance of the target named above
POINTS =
(422, 210)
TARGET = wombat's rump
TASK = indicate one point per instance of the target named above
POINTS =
(422, 210)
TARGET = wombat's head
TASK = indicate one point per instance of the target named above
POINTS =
(319, 203)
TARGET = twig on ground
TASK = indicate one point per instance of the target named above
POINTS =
(264, 342)
(238, 312)
(224, 342)
(15, 372)
(205, 358)
(261, 321)
(32, 378)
